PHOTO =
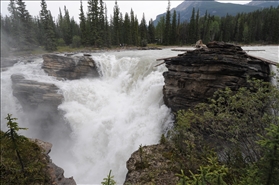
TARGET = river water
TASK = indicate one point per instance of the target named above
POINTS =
(110, 116)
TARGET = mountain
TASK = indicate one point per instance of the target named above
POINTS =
(215, 8)
(263, 3)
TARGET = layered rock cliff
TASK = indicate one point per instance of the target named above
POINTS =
(69, 67)
(194, 76)
(35, 95)
(40, 103)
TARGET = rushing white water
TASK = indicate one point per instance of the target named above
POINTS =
(110, 116)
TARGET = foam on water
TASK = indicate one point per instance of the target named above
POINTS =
(112, 115)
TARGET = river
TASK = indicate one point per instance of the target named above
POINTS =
(110, 116)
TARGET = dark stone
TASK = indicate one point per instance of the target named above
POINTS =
(69, 67)
(194, 76)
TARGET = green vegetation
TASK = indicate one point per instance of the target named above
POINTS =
(23, 32)
(22, 161)
(109, 180)
(233, 139)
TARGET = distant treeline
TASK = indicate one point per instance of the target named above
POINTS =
(95, 29)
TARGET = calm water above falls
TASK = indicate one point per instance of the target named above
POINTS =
(110, 116)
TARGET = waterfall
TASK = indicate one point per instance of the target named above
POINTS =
(110, 116)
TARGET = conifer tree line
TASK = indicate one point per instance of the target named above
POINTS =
(96, 29)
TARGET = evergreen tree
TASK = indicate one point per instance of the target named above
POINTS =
(82, 25)
(127, 30)
(101, 25)
(143, 31)
(26, 34)
(136, 28)
(116, 28)
(167, 30)
(107, 30)
(160, 30)
(173, 35)
(133, 28)
(192, 28)
(66, 27)
(151, 32)
(48, 29)
(197, 26)
(92, 16)
(14, 20)
(120, 25)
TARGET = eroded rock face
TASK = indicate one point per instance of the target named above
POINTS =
(40, 103)
(194, 76)
(69, 67)
(152, 165)
(35, 95)
(55, 172)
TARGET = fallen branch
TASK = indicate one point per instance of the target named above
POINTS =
(166, 58)
(159, 64)
(254, 50)
(265, 60)
(182, 49)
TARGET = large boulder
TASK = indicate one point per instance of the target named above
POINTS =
(69, 67)
(194, 76)
(153, 164)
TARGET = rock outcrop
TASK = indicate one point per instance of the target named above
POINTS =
(194, 76)
(152, 165)
(55, 172)
(69, 67)
(35, 95)
(40, 103)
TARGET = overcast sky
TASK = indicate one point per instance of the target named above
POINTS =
(150, 8)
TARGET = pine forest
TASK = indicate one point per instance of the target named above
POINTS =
(22, 31)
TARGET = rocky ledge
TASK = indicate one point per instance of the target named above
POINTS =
(55, 172)
(40, 103)
(75, 67)
(34, 95)
(194, 76)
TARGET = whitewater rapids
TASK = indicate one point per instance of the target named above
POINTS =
(110, 116)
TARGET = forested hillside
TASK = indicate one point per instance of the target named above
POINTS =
(20, 31)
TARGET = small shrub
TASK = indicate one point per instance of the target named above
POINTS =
(61, 42)
(76, 43)
(109, 180)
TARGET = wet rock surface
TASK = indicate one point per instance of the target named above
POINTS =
(40, 103)
(35, 95)
(194, 76)
(74, 67)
